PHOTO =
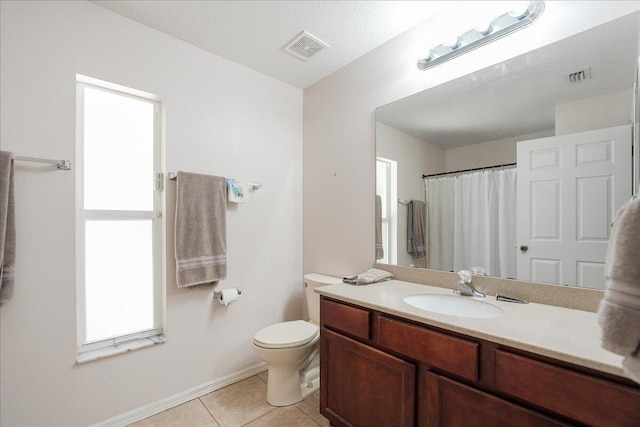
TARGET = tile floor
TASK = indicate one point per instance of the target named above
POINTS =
(240, 404)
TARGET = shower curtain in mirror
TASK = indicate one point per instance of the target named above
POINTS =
(472, 222)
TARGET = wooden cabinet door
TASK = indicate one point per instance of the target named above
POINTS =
(362, 386)
(451, 404)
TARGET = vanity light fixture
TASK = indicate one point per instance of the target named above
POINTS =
(472, 39)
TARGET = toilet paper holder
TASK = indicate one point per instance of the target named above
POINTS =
(217, 293)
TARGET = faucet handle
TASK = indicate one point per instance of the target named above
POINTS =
(478, 271)
(465, 275)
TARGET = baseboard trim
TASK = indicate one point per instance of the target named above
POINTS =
(182, 397)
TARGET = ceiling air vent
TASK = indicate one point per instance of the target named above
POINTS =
(304, 46)
(579, 76)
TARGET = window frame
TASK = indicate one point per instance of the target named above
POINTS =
(390, 238)
(87, 351)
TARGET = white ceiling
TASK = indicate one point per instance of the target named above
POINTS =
(253, 33)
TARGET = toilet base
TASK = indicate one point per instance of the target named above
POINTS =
(310, 382)
(289, 386)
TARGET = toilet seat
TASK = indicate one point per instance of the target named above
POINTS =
(286, 334)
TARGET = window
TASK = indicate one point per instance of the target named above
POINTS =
(119, 220)
(386, 188)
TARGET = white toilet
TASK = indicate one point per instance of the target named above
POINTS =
(291, 350)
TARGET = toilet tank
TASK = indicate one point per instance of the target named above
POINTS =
(312, 281)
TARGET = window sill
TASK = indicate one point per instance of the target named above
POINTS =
(88, 356)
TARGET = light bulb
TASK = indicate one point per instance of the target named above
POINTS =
(519, 9)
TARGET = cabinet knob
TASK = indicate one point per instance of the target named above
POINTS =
(524, 248)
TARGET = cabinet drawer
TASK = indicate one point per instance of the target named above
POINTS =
(451, 354)
(578, 396)
(452, 404)
(344, 318)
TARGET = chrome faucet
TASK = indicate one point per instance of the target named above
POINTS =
(465, 287)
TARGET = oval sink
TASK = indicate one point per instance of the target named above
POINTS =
(454, 305)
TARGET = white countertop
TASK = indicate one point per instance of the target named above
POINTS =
(562, 333)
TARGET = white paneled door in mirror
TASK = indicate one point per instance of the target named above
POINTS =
(569, 188)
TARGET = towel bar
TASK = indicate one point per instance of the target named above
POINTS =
(172, 176)
(61, 164)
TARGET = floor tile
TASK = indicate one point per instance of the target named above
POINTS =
(311, 407)
(239, 403)
(289, 416)
(192, 413)
(264, 376)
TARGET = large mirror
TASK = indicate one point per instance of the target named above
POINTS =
(516, 169)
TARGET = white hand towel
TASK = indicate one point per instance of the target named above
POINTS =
(237, 191)
(372, 275)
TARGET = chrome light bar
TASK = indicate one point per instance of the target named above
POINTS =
(498, 28)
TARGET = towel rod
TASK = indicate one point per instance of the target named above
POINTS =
(254, 185)
(404, 202)
(62, 164)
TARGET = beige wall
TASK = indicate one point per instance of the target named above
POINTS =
(611, 109)
(489, 153)
(222, 119)
(339, 125)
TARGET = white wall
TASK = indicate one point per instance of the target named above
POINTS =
(339, 124)
(221, 119)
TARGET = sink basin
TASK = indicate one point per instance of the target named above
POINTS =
(454, 305)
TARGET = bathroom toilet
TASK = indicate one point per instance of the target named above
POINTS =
(291, 350)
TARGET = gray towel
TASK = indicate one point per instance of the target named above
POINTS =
(7, 227)
(378, 215)
(201, 229)
(416, 229)
(373, 275)
(619, 312)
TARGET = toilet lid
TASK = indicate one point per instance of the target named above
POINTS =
(286, 334)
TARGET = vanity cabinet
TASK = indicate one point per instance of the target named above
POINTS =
(381, 370)
(361, 384)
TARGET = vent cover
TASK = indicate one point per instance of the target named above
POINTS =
(579, 76)
(304, 46)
